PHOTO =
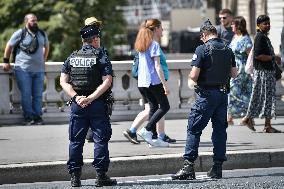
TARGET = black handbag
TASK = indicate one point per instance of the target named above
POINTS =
(278, 72)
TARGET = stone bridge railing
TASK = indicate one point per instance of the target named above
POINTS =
(127, 97)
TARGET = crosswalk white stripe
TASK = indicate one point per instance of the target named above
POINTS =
(198, 177)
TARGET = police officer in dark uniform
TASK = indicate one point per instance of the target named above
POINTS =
(86, 76)
(88, 22)
(212, 66)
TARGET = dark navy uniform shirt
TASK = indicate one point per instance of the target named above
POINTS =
(201, 57)
(103, 59)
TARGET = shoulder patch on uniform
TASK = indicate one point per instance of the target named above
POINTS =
(194, 57)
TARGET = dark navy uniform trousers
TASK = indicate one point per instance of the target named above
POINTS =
(209, 104)
(95, 117)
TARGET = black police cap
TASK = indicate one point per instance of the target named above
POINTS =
(90, 31)
(206, 26)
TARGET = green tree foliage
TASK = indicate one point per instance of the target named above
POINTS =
(62, 20)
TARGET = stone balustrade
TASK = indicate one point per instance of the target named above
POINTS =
(127, 97)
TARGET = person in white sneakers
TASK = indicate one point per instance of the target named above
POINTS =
(151, 80)
(143, 116)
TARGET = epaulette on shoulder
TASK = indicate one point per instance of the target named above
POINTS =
(102, 49)
(208, 47)
(96, 51)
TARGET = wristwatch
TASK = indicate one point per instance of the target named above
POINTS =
(6, 60)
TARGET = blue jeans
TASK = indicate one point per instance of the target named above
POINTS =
(31, 88)
(209, 104)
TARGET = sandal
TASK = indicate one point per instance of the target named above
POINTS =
(249, 122)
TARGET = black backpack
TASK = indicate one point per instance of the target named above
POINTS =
(23, 34)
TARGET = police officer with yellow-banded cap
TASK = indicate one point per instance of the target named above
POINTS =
(212, 66)
(97, 23)
(86, 76)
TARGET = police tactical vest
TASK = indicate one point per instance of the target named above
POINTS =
(85, 75)
(221, 63)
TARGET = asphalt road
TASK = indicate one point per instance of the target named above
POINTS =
(268, 178)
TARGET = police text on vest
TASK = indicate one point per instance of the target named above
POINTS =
(82, 62)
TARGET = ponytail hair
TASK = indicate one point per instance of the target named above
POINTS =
(145, 35)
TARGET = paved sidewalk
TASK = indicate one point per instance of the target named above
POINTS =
(39, 153)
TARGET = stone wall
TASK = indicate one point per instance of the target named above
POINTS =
(127, 97)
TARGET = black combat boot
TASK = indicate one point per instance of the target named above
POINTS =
(75, 178)
(104, 180)
(216, 170)
(185, 173)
